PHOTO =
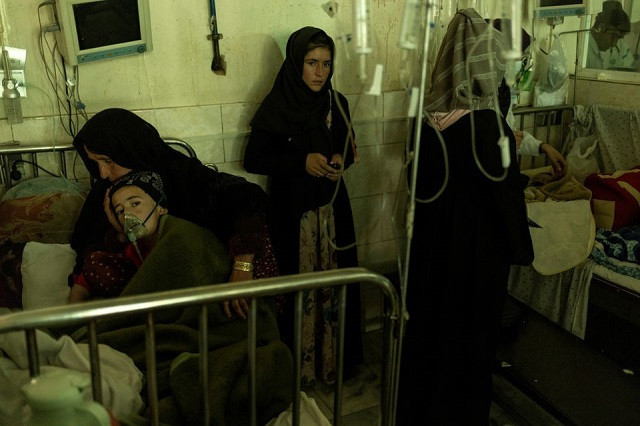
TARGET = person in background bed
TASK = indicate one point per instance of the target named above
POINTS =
(116, 141)
(607, 48)
(465, 240)
(301, 138)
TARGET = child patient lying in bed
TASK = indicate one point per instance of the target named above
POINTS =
(138, 205)
(138, 201)
(167, 253)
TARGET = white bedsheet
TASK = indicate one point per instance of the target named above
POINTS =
(121, 379)
(624, 281)
(310, 414)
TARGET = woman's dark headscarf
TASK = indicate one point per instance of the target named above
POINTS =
(221, 202)
(126, 139)
(291, 104)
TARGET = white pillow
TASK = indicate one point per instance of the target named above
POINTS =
(45, 269)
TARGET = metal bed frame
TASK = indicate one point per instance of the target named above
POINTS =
(544, 118)
(90, 313)
(8, 153)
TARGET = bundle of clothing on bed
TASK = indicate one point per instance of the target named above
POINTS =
(618, 250)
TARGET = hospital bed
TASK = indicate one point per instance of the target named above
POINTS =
(598, 299)
(31, 323)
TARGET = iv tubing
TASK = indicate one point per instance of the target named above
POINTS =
(431, 6)
(3, 25)
(496, 108)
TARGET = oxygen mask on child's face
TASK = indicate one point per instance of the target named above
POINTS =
(134, 228)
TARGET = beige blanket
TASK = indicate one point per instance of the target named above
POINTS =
(543, 187)
(566, 236)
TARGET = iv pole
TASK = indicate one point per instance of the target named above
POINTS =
(430, 18)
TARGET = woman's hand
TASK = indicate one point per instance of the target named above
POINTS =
(317, 166)
(240, 306)
(112, 217)
(556, 159)
(78, 294)
(336, 159)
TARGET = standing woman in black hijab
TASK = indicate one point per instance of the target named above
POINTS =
(301, 138)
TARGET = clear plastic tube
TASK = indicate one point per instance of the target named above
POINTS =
(361, 27)
(511, 27)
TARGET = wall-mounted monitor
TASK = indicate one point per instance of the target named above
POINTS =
(92, 30)
(559, 8)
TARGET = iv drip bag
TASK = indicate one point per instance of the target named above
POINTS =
(362, 36)
(511, 27)
(410, 30)
(361, 27)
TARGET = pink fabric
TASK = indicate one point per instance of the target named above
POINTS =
(442, 120)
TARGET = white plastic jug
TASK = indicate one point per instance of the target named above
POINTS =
(57, 399)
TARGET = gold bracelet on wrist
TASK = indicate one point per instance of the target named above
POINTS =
(243, 266)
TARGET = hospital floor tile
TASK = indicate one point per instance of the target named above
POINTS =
(361, 395)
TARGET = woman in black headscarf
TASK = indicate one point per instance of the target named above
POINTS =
(463, 241)
(301, 137)
(116, 141)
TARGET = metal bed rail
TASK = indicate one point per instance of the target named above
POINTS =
(544, 119)
(90, 313)
(32, 151)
